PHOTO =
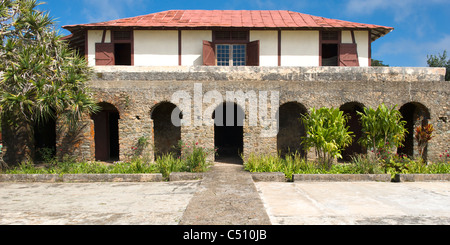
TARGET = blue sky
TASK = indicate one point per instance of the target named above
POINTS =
(421, 27)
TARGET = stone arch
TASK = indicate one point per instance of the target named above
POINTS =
(228, 130)
(291, 129)
(166, 133)
(354, 123)
(106, 132)
(415, 114)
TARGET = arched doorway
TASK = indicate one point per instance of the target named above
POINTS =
(228, 131)
(45, 139)
(166, 134)
(415, 114)
(106, 127)
(291, 129)
(351, 109)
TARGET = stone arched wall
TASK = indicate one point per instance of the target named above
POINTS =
(135, 92)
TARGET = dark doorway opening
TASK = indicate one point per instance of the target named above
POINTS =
(166, 133)
(122, 54)
(45, 140)
(415, 114)
(291, 129)
(330, 55)
(106, 127)
(351, 109)
(228, 132)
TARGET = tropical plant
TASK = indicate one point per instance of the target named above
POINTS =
(366, 164)
(327, 132)
(41, 77)
(423, 134)
(382, 129)
(195, 156)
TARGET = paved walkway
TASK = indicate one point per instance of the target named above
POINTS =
(226, 196)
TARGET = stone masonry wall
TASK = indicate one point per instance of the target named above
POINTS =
(135, 91)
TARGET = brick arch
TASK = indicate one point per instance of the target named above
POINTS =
(350, 109)
(291, 128)
(415, 114)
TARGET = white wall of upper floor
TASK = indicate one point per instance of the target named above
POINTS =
(362, 40)
(160, 47)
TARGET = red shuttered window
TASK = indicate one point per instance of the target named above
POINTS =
(348, 54)
(209, 57)
(335, 53)
(253, 53)
(104, 54)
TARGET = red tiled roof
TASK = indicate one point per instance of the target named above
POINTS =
(233, 18)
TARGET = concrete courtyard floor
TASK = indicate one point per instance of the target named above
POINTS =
(356, 203)
(213, 201)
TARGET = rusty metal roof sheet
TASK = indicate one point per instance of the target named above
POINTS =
(282, 19)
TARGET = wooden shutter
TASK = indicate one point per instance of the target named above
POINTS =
(104, 54)
(209, 57)
(348, 54)
(253, 53)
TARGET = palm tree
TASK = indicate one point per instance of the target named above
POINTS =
(41, 77)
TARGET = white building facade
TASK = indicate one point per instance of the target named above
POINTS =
(196, 38)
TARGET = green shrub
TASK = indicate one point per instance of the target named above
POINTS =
(195, 157)
(291, 164)
(360, 164)
(327, 132)
(168, 163)
(364, 164)
(382, 129)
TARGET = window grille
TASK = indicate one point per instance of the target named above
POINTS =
(231, 54)
(330, 35)
(122, 35)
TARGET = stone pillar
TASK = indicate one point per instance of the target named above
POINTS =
(130, 131)
(77, 142)
(203, 135)
(18, 142)
(441, 139)
(257, 142)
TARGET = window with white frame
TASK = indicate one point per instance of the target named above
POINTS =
(231, 48)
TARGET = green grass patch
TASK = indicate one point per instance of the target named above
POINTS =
(192, 159)
(360, 164)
